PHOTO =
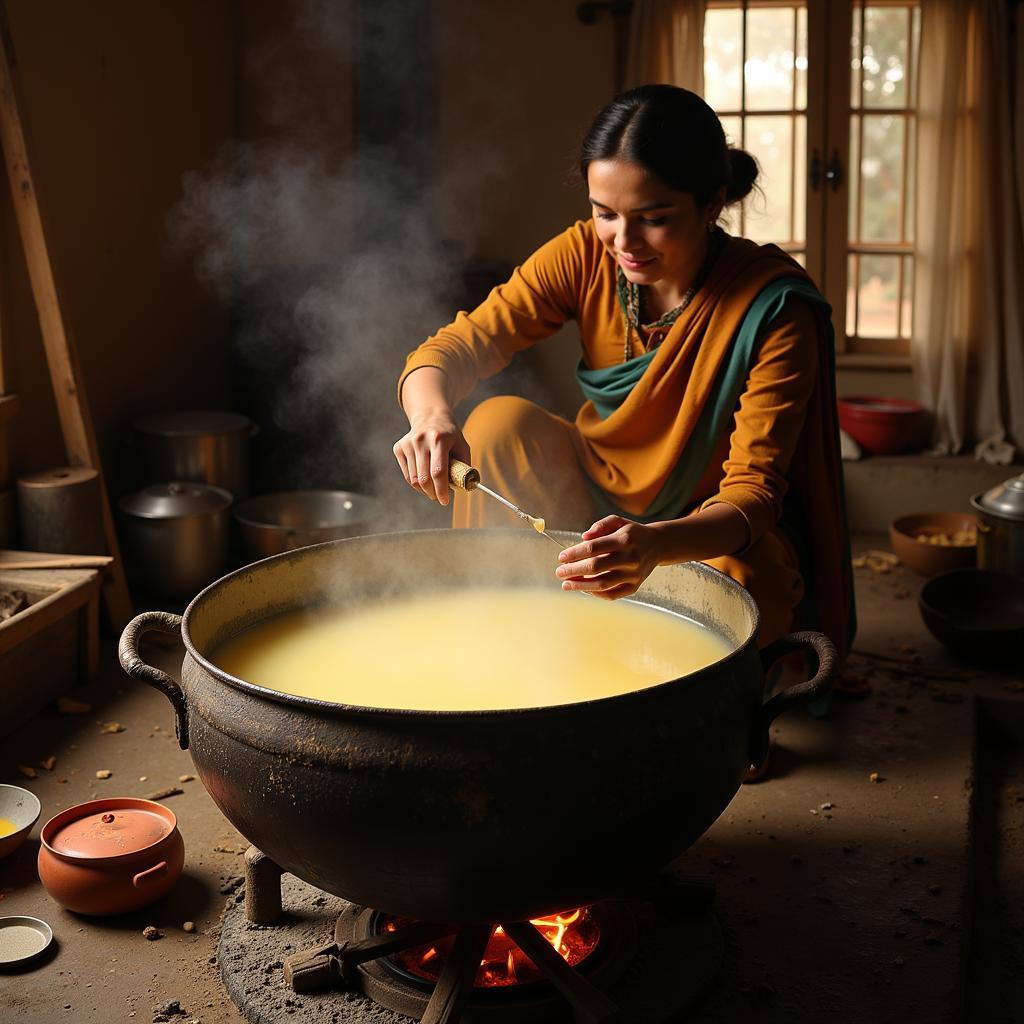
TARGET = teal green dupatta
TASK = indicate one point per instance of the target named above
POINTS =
(609, 388)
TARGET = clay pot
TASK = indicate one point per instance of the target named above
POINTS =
(110, 856)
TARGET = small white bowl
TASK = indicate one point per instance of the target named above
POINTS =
(23, 808)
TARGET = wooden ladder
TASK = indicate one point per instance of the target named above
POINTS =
(61, 353)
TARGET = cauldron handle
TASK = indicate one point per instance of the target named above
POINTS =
(793, 696)
(132, 663)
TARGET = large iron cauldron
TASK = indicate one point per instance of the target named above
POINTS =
(468, 816)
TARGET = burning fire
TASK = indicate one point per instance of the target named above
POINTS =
(574, 935)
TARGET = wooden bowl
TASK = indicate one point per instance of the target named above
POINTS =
(976, 613)
(929, 559)
(22, 808)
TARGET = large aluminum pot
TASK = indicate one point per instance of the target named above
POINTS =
(175, 537)
(271, 523)
(202, 446)
(1001, 527)
(456, 816)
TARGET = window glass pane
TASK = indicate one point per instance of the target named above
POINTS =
(800, 179)
(770, 59)
(801, 58)
(907, 304)
(855, 57)
(884, 56)
(908, 202)
(853, 186)
(877, 287)
(851, 295)
(731, 218)
(769, 140)
(723, 52)
(881, 170)
(915, 53)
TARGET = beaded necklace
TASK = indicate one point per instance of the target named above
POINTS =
(629, 298)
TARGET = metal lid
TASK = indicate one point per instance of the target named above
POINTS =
(108, 828)
(1006, 500)
(175, 500)
(191, 424)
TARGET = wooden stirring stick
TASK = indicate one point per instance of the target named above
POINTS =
(466, 478)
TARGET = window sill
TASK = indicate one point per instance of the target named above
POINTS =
(871, 361)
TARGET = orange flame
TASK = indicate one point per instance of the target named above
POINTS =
(574, 935)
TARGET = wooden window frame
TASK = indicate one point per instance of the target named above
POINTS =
(827, 246)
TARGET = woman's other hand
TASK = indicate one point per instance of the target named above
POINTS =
(423, 452)
(614, 558)
(616, 555)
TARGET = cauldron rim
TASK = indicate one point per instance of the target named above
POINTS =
(337, 709)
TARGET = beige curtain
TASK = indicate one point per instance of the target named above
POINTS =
(666, 44)
(968, 338)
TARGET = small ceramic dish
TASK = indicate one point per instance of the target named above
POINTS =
(977, 613)
(23, 941)
(21, 808)
(934, 542)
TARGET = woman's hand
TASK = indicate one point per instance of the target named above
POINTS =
(423, 452)
(614, 558)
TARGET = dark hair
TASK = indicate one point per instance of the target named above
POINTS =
(673, 135)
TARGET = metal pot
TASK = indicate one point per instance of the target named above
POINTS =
(1001, 526)
(175, 537)
(462, 816)
(203, 447)
(272, 523)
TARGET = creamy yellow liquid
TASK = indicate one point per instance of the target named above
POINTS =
(7, 827)
(471, 650)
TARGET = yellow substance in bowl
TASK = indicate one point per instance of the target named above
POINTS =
(471, 650)
(7, 827)
(952, 539)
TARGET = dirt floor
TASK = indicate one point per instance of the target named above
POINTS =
(844, 883)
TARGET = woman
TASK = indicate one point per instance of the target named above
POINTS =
(709, 430)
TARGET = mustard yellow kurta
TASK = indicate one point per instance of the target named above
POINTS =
(542, 461)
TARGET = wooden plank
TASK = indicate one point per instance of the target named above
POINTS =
(13, 559)
(69, 589)
(61, 353)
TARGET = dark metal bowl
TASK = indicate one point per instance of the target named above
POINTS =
(286, 520)
(468, 816)
(977, 613)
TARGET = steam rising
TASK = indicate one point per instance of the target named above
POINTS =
(332, 264)
(333, 270)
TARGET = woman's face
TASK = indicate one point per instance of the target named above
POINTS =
(653, 232)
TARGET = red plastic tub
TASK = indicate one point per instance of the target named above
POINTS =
(880, 425)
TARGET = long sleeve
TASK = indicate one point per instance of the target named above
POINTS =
(769, 419)
(541, 295)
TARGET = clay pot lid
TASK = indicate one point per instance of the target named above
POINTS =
(116, 827)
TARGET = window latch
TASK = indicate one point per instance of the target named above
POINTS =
(833, 172)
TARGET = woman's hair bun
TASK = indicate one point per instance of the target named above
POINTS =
(743, 171)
